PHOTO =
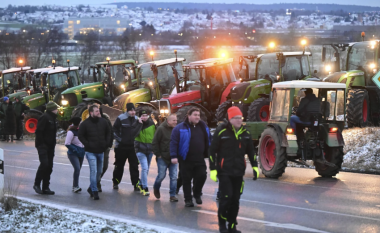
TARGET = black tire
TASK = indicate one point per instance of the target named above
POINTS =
(358, 108)
(79, 109)
(221, 112)
(272, 155)
(182, 113)
(154, 113)
(333, 155)
(30, 121)
(259, 110)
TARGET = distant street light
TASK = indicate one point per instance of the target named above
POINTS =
(152, 54)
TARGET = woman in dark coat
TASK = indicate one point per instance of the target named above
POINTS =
(10, 119)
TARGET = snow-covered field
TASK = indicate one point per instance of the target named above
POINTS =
(29, 217)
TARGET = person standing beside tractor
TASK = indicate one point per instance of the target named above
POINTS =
(20, 109)
(45, 143)
(189, 144)
(161, 148)
(231, 141)
(124, 131)
(9, 116)
(143, 147)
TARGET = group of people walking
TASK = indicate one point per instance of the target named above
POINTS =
(182, 147)
(11, 117)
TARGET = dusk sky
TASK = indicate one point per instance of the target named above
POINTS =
(76, 2)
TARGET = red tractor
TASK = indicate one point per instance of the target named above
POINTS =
(206, 85)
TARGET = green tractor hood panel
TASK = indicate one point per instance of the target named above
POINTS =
(247, 92)
(135, 96)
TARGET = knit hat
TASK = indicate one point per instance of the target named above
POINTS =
(130, 106)
(51, 106)
(76, 120)
(143, 111)
(234, 111)
(5, 98)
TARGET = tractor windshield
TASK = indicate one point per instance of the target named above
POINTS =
(295, 68)
(14, 81)
(119, 73)
(280, 105)
(361, 56)
(268, 65)
(222, 74)
(335, 99)
(65, 79)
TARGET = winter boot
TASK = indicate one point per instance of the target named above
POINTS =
(189, 203)
(156, 193)
(90, 192)
(96, 195)
(37, 188)
(47, 191)
(232, 228)
(99, 187)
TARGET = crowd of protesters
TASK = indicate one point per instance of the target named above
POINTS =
(11, 117)
(178, 148)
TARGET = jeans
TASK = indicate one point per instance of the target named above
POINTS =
(145, 164)
(95, 161)
(46, 156)
(77, 165)
(121, 156)
(162, 167)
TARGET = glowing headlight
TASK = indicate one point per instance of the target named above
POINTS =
(166, 111)
(162, 111)
(64, 102)
(372, 65)
(122, 86)
(328, 68)
(150, 83)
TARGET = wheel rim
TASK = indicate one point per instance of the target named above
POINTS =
(31, 125)
(267, 155)
(85, 114)
(264, 113)
(365, 110)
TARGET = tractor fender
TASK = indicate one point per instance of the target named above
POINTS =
(208, 114)
(92, 100)
(35, 111)
(332, 139)
(280, 132)
(147, 104)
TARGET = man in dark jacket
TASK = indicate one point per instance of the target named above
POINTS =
(231, 141)
(124, 131)
(20, 109)
(309, 105)
(94, 134)
(8, 119)
(189, 144)
(45, 143)
(161, 148)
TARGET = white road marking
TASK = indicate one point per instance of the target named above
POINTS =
(270, 224)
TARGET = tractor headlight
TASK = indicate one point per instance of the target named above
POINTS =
(372, 66)
(166, 111)
(162, 111)
(122, 86)
(64, 102)
(328, 68)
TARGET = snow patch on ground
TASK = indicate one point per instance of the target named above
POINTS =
(29, 217)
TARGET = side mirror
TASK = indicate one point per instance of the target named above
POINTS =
(323, 54)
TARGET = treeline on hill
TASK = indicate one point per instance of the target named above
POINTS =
(248, 7)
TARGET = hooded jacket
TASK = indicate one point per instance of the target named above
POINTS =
(94, 134)
(161, 142)
(46, 130)
(144, 138)
(20, 108)
(228, 149)
(124, 130)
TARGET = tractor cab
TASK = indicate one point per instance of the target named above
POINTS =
(13, 80)
(322, 142)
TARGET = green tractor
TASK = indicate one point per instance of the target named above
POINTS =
(354, 65)
(276, 141)
(143, 83)
(14, 82)
(257, 75)
(52, 81)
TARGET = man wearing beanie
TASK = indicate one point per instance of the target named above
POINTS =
(45, 144)
(143, 147)
(231, 141)
(124, 131)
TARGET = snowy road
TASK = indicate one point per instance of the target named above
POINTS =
(300, 201)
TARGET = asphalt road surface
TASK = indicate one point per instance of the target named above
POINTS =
(299, 201)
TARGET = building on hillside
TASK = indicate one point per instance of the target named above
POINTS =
(72, 26)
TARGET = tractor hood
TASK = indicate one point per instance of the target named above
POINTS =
(21, 94)
(350, 78)
(227, 91)
(134, 96)
(81, 87)
(178, 100)
(334, 77)
(247, 92)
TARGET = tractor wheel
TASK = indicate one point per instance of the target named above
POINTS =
(333, 155)
(64, 125)
(30, 122)
(154, 113)
(221, 112)
(358, 110)
(80, 111)
(272, 156)
(259, 110)
(182, 113)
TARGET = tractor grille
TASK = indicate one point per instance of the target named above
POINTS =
(237, 92)
(84, 94)
(72, 98)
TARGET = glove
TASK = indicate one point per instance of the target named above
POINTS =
(213, 174)
(256, 173)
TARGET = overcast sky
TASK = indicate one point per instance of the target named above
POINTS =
(76, 2)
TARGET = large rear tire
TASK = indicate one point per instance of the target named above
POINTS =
(333, 155)
(358, 108)
(182, 113)
(153, 112)
(80, 111)
(259, 110)
(272, 156)
(221, 112)
(30, 122)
